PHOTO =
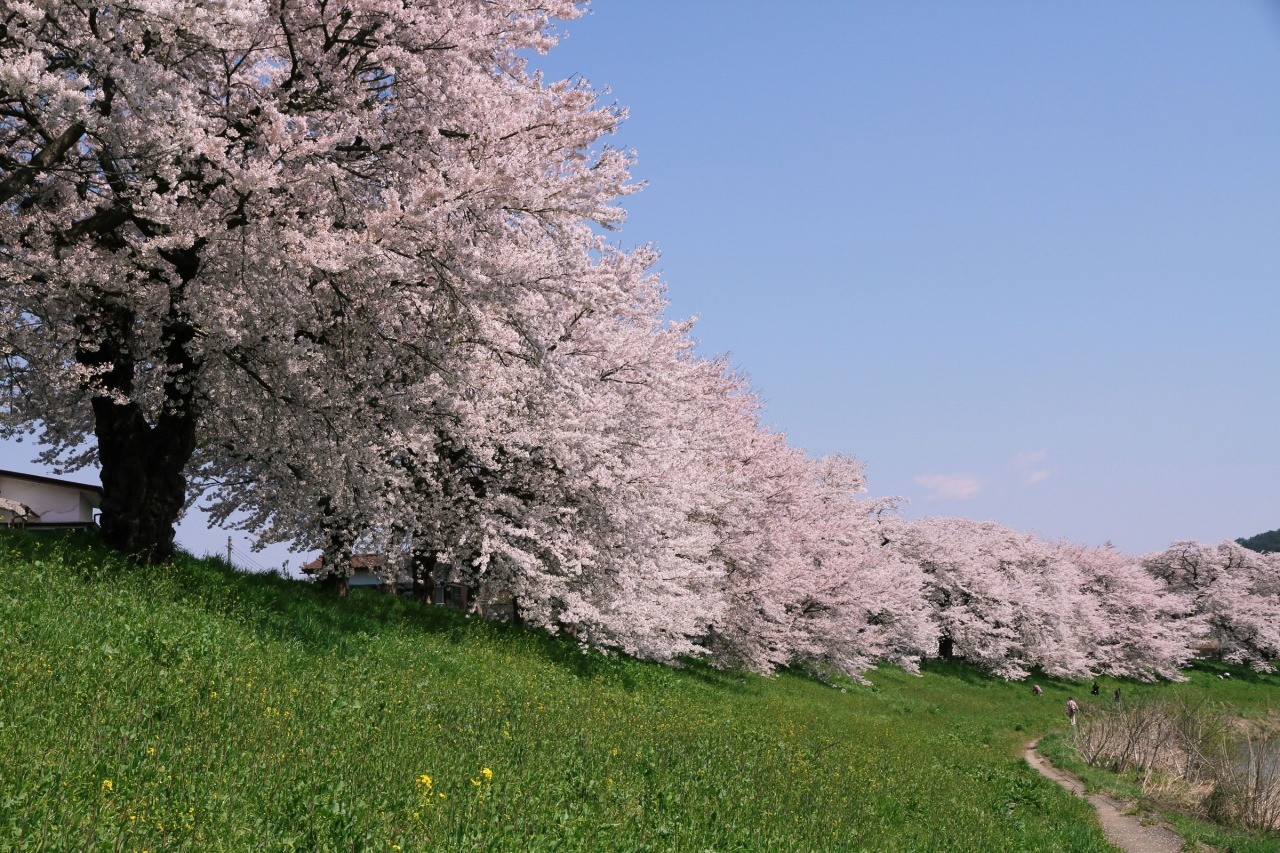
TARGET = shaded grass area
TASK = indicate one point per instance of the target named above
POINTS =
(192, 707)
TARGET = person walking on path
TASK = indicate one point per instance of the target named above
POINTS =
(1072, 710)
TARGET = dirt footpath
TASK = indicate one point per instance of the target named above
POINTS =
(1123, 830)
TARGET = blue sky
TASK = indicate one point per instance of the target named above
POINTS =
(1020, 257)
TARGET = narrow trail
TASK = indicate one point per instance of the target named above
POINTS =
(1123, 830)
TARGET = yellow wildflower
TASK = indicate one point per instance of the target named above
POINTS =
(487, 774)
(107, 786)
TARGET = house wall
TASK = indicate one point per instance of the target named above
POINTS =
(53, 503)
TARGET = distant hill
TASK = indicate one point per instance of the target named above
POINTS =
(1269, 541)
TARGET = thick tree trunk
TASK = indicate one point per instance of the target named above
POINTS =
(143, 484)
(337, 568)
(946, 648)
(335, 583)
(423, 566)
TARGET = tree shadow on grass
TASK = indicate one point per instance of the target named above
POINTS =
(296, 611)
(733, 680)
(1234, 672)
(966, 672)
(615, 668)
(957, 669)
(278, 607)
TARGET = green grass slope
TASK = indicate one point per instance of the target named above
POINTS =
(192, 707)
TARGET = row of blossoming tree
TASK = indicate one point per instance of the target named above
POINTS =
(336, 268)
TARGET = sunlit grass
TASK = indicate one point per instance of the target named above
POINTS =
(195, 708)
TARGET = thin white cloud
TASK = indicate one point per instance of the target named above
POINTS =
(1026, 466)
(949, 487)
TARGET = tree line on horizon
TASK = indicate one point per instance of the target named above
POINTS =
(340, 272)
(1266, 543)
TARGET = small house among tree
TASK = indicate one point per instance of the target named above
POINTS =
(366, 573)
(47, 503)
(449, 590)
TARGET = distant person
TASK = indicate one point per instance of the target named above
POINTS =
(1117, 694)
(1035, 690)
(1072, 710)
(1095, 689)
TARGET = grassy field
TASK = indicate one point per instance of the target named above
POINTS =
(196, 708)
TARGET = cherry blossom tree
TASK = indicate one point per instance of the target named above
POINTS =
(806, 577)
(1235, 592)
(200, 196)
(614, 484)
(1131, 626)
(1000, 599)
(550, 456)
(1009, 602)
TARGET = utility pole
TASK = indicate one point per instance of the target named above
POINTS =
(228, 552)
